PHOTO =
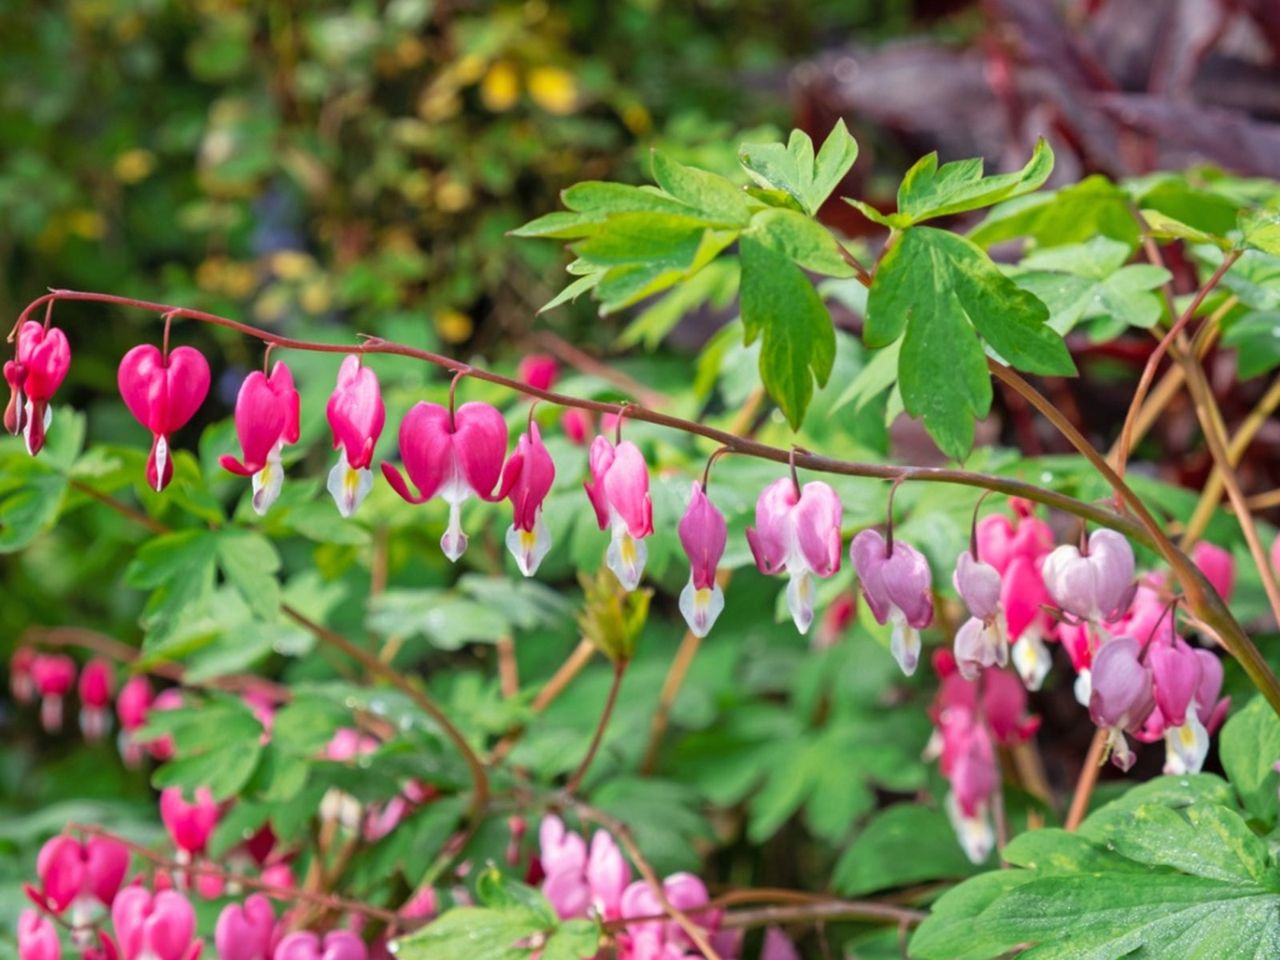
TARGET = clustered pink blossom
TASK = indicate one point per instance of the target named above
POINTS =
(38, 368)
(595, 881)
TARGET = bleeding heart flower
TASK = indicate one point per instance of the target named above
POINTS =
(703, 535)
(1023, 597)
(159, 927)
(163, 393)
(456, 455)
(1096, 585)
(898, 586)
(267, 413)
(132, 706)
(245, 932)
(53, 675)
(190, 824)
(97, 681)
(528, 477)
(619, 492)
(336, 945)
(82, 876)
(538, 370)
(37, 937)
(1217, 565)
(968, 762)
(42, 360)
(21, 683)
(1121, 695)
(356, 417)
(981, 641)
(797, 530)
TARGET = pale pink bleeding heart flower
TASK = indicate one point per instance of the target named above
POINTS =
(898, 585)
(778, 946)
(21, 684)
(82, 876)
(619, 492)
(190, 822)
(797, 531)
(455, 455)
(1121, 695)
(40, 364)
(1211, 710)
(97, 682)
(528, 477)
(607, 875)
(1217, 565)
(703, 534)
(1095, 585)
(37, 937)
(1180, 683)
(267, 415)
(356, 416)
(336, 945)
(162, 392)
(154, 927)
(245, 932)
(53, 675)
(563, 857)
(981, 641)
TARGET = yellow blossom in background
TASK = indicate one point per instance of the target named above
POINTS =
(637, 118)
(500, 88)
(86, 224)
(453, 326)
(272, 305)
(315, 297)
(292, 264)
(239, 279)
(553, 89)
(452, 195)
(134, 165)
(469, 68)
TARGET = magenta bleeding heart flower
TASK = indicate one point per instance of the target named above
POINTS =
(42, 360)
(336, 945)
(1095, 585)
(190, 823)
(163, 392)
(538, 370)
(132, 706)
(267, 413)
(981, 641)
(581, 881)
(1121, 695)
(797, 531)
(82, 877)
(703, 535)
(53, 675)
(1217, 565)
(453, 455)
(898, 586)
(37, 937)
(154, 927)
(528, 476)
(969, 764)
(97, 682)
(245, 932)
(356, 417)
(619, 492)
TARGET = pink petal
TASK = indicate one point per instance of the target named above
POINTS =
(867, 552)
(817, 517)
(534, 473)
(480, 445)
(626, 487)
(356, 412)
(703, 534)
(599, 459)
(427, 449)
(769, 539)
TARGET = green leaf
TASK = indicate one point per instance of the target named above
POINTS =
(929, 191)
(716, 283)
(573, 940)
(808, 243)
(942, 290)
(903, 845)
(1164, 227)
(597, 196)
(31, 496)
(217, 744)
(249, 562)
(709, 194)
(1249, 747)
(468, 933)
(1094, 207)
(780, 306)
(179, 570)
(1260, 229)
(501, 892)
(795, 170)
(1256, 337)
(1148, 879)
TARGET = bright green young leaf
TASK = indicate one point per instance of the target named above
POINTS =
(217, 744)
(929, 191)
(31, 495)
(794, 170)
(249, 562)
(1260, 229)
(808, 243)
(1164, 227)
(179, 569)
(942, 291)
(707, 193)
(466, 933)
(1094, 207)
(1249, 747)
(781, 307)
(716, 284)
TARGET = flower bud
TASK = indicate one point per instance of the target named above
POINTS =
(1096, 585)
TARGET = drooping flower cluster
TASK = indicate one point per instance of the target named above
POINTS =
(38, 368)
(581, 881)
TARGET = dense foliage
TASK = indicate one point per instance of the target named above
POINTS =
(321, 648)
